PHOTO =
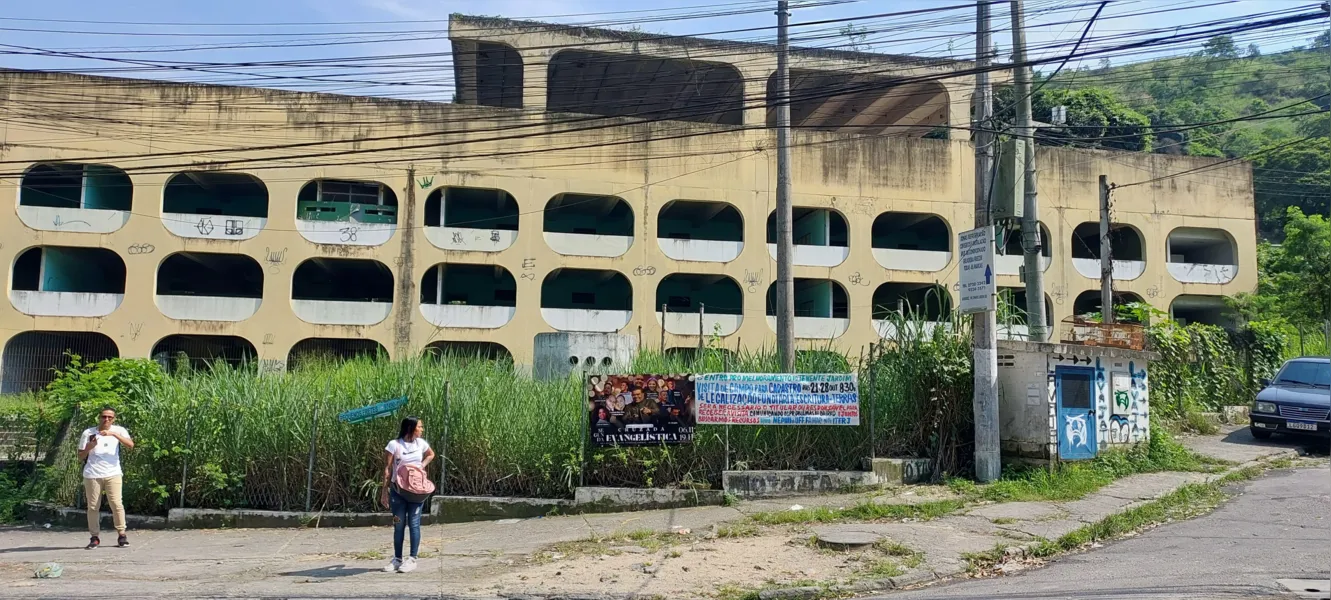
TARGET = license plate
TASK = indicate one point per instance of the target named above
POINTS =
(1300, 426)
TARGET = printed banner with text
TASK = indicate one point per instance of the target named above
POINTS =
(778, 399)
(640, 410)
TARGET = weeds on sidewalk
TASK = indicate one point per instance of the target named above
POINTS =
(1075, 480)
(864, 511)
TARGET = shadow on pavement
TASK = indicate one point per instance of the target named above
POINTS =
(39, 549)
(331, 572)
(1309, 445)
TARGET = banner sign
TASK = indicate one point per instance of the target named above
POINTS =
(778, 399)
(373, 411)
(640, 410)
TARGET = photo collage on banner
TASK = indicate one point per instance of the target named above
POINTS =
(640, 410)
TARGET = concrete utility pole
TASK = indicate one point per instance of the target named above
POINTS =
(1106, 258)
(1030, 220)
(785, 270)
(984, 343)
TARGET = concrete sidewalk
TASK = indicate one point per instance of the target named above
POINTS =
(508, 558)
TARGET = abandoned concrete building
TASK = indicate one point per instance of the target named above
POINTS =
(588, 193)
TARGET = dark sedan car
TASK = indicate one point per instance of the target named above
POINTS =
(1297, 401)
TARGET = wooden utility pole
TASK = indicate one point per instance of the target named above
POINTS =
(984, 343)
(1106, 258)
(785, 270)
(1030, 219)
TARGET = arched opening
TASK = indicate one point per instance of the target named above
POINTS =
(588, 225)
(918, 307)
(700, 231)
(31, 359)
(478, 296)
(67, 281)
(699, 304)
(465, 218)
(176, 352)
(1125, 245)
(215, 193)
(466, 351)
(911, 241)
(630, 85)
(74, 185)
(1202, 255)
(338, 211)
(1008, 256)
(822, 308)
(1196, 308)
(310, 351)
(821, 237)
(209, 287)
(865, 104)
(586, 300)
(487, 74)
(1088, 304)
(1011, 316)
(342, 291)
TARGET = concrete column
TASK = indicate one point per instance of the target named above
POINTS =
(535, 80)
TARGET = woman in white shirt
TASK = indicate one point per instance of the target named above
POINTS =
(409, 448)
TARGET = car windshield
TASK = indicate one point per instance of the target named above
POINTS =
(1305, 373)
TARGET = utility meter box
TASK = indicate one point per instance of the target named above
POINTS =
(1009, 191)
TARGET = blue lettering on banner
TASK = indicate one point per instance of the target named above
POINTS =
(778, 399)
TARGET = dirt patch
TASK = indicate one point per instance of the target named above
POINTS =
(701, 568)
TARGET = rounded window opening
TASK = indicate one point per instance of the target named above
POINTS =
(209, 287)
(31, 359)
(74, 185)
(690, 304)
(458, 207)
(310, 352)
(1197, 308)
(203, 352)
(605, 362)
(342, 291)
(700, 231)
(215, 193)
(468, 351)
(911, 241)
(67, 281)
(647, 87)
(1011, 316)
(863, 103)
(586, 300)
(912, 302)
(1124, 240)
(1010, 238)
(1128, 307)
(573, 360)
(813, 227)
(463, 295)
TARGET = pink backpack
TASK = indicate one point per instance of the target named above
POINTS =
(412, 483)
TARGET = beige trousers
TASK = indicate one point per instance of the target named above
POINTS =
(92, 490)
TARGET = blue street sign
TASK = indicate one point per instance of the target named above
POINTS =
(373, 411)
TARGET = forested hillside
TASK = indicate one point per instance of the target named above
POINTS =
(1224, 101)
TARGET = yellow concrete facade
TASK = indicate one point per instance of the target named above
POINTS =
(153, 130)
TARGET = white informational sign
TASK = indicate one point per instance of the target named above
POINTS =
(778, 399)
(979, 291)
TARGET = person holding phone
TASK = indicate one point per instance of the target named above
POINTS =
(100, 449)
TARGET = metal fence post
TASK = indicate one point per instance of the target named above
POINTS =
(184, 463)
(309, 469)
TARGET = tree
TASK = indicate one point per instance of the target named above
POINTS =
(1096, 117)
(1254, 51)
(1294, 279)
(856, 37)
(1297, 176)
(1220, 46)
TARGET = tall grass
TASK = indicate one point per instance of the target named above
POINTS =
(241, 439)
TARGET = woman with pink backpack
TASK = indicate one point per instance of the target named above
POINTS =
(405, 488)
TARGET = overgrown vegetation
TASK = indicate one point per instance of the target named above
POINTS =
(1071, 481)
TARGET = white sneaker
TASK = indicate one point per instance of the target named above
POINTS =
(408, 565)
(392, 567)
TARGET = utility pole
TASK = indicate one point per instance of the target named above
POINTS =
(1030, 220)
(1106, 258)
(984, 343)
(785, 270)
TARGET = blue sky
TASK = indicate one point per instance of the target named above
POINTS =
(395, 27)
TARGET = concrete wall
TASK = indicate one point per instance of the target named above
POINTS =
(860, 177)
(556, 353)
(1028, 419)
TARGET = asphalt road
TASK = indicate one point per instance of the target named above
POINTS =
(1278, 528)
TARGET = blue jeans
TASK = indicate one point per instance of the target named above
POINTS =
(408, 515)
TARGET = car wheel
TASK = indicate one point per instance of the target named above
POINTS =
(1260, 434)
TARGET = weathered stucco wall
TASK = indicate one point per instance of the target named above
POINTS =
(287, 139)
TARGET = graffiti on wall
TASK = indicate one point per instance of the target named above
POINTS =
(1075, 430)
(1120, 432)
